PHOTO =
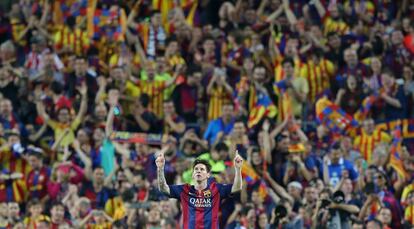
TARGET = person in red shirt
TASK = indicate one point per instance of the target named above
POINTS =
(38, 177)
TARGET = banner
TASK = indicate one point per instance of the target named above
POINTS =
(407, 127)
(333, 117)
(151, 139)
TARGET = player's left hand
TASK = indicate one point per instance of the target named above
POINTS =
(238, 160)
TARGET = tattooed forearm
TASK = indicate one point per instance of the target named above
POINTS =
(162, 183)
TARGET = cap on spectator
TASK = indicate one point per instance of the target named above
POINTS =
(295, 184)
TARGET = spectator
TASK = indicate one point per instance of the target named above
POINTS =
(335, 167)
(366, 142)
(222, 126)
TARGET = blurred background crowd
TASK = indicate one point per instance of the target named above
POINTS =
(317, 96)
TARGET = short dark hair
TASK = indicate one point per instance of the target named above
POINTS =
(56, 204)
(154, 12)
(204, 162)
(80, 57)
(193, 69)
(336, 146)
(206, 38)
(288, 60)
(56, 87)
(331, 34)
(128, 195)
(171, 39)
(144, 99)
(388, 71)
(221, 146)
(240, 120)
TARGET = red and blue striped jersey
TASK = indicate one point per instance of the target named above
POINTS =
(200, 209)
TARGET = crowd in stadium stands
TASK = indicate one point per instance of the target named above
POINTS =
(317, 96)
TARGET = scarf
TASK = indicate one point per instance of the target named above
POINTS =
(155, 36)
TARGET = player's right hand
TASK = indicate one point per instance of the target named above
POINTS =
(160, 161)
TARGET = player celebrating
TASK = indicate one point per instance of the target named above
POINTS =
(200, 202)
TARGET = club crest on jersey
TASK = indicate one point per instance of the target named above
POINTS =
(207, 194)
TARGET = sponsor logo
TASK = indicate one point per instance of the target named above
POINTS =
(200, 202)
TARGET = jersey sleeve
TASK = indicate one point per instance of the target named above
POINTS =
(224, 190)
(175, 191)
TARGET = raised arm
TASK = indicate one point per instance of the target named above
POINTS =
(289, 14)
(177, 72)
(273, 49)
(278, 188)
(237, 184)
(266, 141)
(134, 12)
(34, 137)
(211, 84)
(84, 158)
(178, 127)
(113, 101)
(101, 90)
(276, 131)
(83, 89)
(320, 8)
(390, 100)
(160, 162)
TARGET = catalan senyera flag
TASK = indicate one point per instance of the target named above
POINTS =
(76, 39)
(251, 177)
(13, 191)
(333, 117)
(217, 98)
(263, 107)
(14, 162)
(395, 157)
(284, 103)
(190, 10)
(331, 25)
(164, 6)
(318, 76)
